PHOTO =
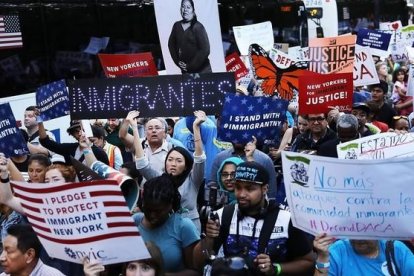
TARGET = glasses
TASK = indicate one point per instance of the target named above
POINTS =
(227, 175)
(155, 128)
(400, 117)
(314, 119)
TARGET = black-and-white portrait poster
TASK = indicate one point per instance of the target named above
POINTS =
(190, 36)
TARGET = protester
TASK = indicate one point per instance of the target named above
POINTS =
(237, 228)
(399, 78)
(112, 128)
(54, 173)
(161, 223)
(347, 129)
(113, 152)
(225, 176)
(171, 124)
(37, 167)
(375, 109)
(145, 267)
(361, 257)
(362, 111)
(227, 171)
(187, 174)
(30, 123)
(401, 123)
(238, 150)
(317, 134)
(188, 42)
(70, 149)
(386, 112)
(155, 145)
(183, 131)
(290, 134)
(21, 250)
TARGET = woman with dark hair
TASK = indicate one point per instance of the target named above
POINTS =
(37, 166)
(146, 267)
(186, 173)
(160, 223)
(188, 43)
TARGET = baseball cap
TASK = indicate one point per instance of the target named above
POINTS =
(252, 171)
(362, 106)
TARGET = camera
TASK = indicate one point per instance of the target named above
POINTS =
(214, 199)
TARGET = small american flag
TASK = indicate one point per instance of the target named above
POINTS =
(10, 35)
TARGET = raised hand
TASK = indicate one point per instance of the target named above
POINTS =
(132, 118)
(200, 117)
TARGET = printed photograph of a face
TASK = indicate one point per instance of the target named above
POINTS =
(190, 36)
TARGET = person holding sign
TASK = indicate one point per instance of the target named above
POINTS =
(188, 43)
(188, 174)
(54, 173)
(362, 257)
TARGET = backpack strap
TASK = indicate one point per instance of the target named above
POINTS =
(390, 257)
(267, 228)
(225, 222)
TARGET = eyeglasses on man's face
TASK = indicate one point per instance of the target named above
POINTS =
(319, 119)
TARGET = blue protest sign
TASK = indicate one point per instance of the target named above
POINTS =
(11, 140)
(378, 41)
(52, 100)
(245, 116)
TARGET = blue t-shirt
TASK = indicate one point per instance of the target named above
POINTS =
(345, 261)
(171, 238)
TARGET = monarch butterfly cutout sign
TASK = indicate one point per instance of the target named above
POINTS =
(275, 81)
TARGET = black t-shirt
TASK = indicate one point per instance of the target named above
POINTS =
(385, 115)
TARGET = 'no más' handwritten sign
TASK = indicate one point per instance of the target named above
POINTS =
(358, 199)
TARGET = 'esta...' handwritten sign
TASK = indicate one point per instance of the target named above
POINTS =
(358, 199)
(379, 146)
(85, 219)
(172, 95)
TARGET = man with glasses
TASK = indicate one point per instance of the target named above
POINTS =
(317, 134)
(155, 144)
(386, 112)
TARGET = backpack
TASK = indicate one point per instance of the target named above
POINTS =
(390, 256)
(269, 216)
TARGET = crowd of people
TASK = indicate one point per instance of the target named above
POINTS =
(179, 168)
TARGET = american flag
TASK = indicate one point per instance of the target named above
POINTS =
(10, 35)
